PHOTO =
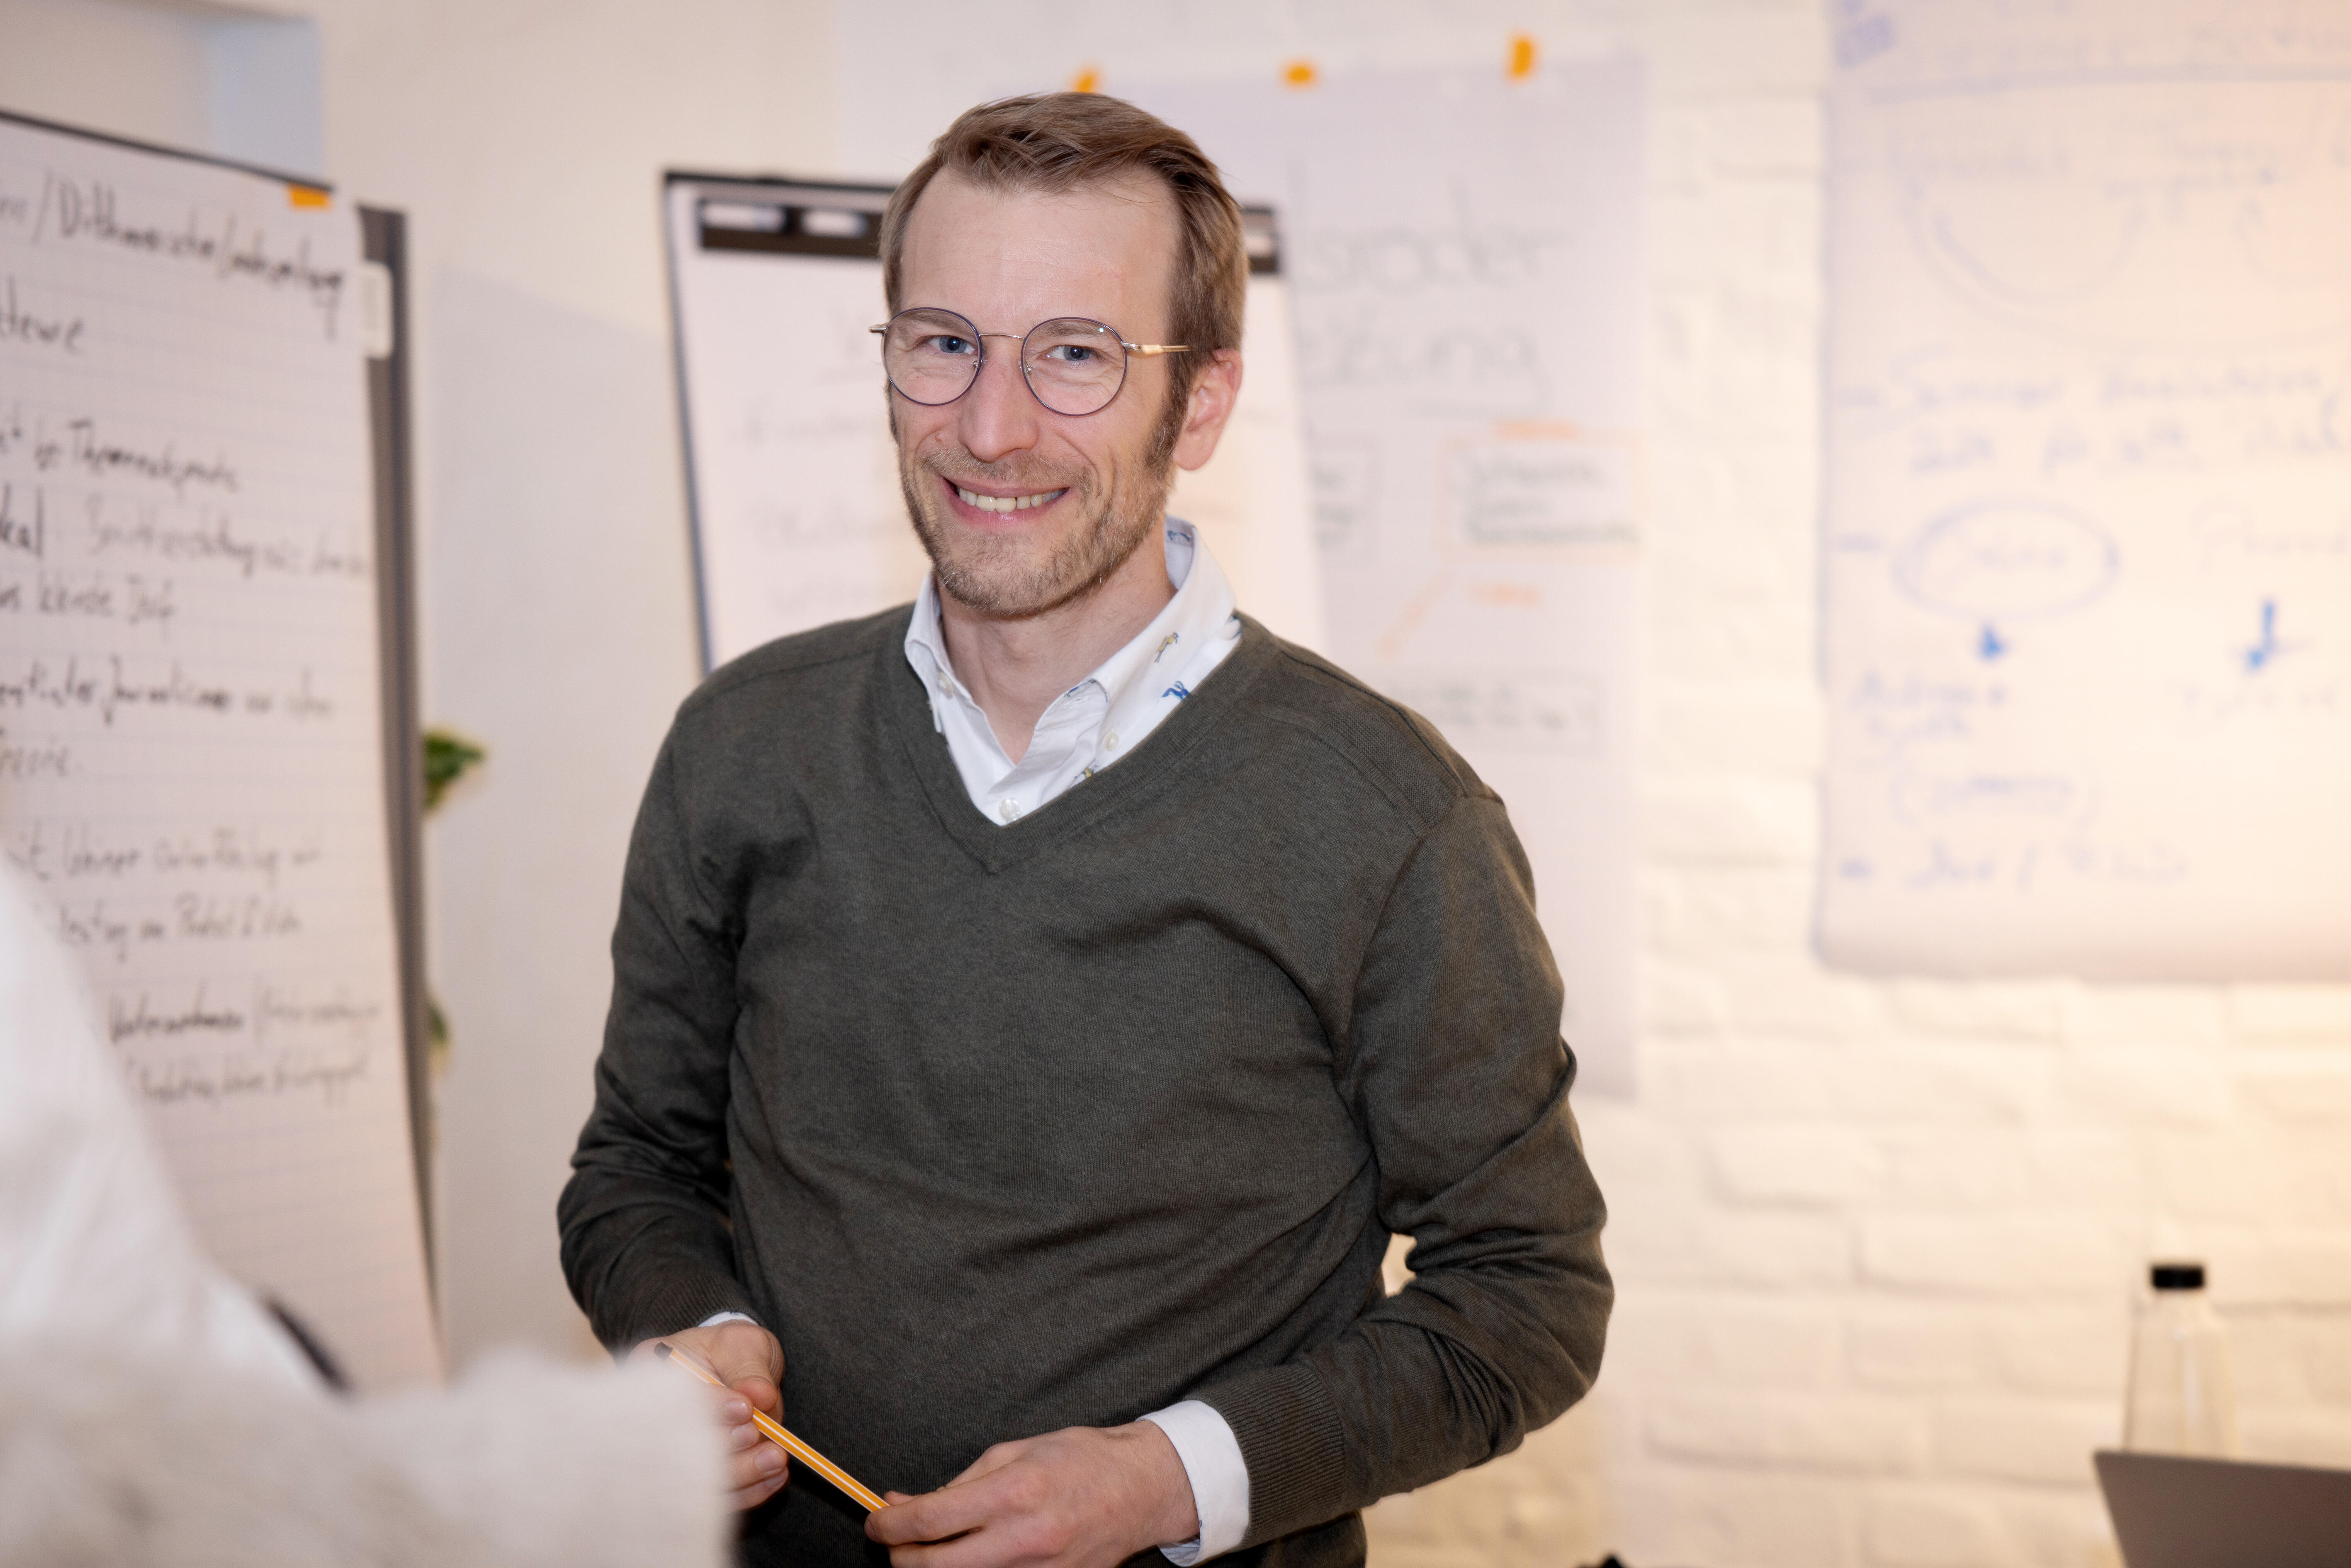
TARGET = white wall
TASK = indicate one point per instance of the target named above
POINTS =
(1876, 1240)
(128, 70)
(239, 81)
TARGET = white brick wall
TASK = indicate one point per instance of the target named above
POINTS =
(1875, 1240)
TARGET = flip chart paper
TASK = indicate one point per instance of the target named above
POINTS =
(190, 739)
(1468, 294)
(2088, 507)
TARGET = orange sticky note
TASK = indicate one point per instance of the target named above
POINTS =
(1299, 73)
(1088, 79)
(307, 196)
(1522, 57)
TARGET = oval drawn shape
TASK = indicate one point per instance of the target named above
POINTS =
(2008, 560)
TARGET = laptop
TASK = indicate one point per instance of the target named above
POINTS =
(2175, 1512)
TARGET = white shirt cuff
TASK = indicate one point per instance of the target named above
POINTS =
(1221, 1486)
(729, 1318)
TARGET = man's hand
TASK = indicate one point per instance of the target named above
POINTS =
(1086, 1497)
(751, 1363)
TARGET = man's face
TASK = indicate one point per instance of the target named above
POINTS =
(1089, 488)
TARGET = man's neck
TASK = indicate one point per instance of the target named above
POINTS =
(1015, 668)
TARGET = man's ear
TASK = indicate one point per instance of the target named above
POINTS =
(1214, 392)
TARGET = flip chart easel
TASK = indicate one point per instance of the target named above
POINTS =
(207, 731)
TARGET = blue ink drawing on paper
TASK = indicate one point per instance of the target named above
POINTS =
(1997, 562)
(2262, 652)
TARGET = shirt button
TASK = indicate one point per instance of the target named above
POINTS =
(1109, 741)
(1007, 809)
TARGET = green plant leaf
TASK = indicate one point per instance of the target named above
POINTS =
(448, 757)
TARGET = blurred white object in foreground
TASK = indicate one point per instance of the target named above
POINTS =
(143, 1463)
(93, 1236)
(153, 1413)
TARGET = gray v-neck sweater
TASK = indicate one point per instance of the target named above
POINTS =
(1006, 1129)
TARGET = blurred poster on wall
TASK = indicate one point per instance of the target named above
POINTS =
(1466, 285)
(2088, 503)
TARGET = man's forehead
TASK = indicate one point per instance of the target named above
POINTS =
(1103, 248)
(1123, 202)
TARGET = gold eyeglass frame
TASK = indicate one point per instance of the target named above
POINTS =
(1145, 350)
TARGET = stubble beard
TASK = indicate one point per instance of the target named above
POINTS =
(998, 577)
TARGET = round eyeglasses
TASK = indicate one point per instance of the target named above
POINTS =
(1072, 365)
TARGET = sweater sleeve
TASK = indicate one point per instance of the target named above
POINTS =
(1455, 1067)
(647, 1242)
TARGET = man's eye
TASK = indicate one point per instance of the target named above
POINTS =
(1072, 354)
(951, 347)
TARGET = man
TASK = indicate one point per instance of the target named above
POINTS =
(1034, 1012)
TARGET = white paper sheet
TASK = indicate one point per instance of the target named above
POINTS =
(1467, 290)
(190, 745)
(799, 519)
(796, 516)
(2088, 530)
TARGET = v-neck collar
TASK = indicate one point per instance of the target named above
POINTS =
(998, 847)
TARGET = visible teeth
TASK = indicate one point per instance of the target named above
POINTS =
(1006, 503)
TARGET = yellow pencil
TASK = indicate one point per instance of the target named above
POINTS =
(790, 1445)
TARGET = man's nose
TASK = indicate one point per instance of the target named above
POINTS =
(999, 416)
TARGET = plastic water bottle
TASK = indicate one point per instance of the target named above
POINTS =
(2181, 1400)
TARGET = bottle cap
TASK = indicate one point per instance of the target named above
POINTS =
(2177, 1276)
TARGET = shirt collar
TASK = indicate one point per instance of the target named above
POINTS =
(1139, 674)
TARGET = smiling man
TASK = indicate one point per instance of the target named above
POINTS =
(1033, 1011)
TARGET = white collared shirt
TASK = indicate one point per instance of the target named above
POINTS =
(1104, 716)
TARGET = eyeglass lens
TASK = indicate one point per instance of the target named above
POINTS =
(1074, 366)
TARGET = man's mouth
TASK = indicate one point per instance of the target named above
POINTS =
(1008, 503)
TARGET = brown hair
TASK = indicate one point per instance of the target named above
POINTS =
(1056, 141)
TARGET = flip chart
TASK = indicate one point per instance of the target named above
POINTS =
(191, 741)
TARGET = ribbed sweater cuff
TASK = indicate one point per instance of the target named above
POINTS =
(680, 1300)
(1289, 1433)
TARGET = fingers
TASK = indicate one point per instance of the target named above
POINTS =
(975, 1519)
(1079, 1496)
(735, 1353)
(745, 1501)
(756, 1471)
(935, 1516)
(756, 1467)
(749, 1361)
(745, 1350)
(911, 1521)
